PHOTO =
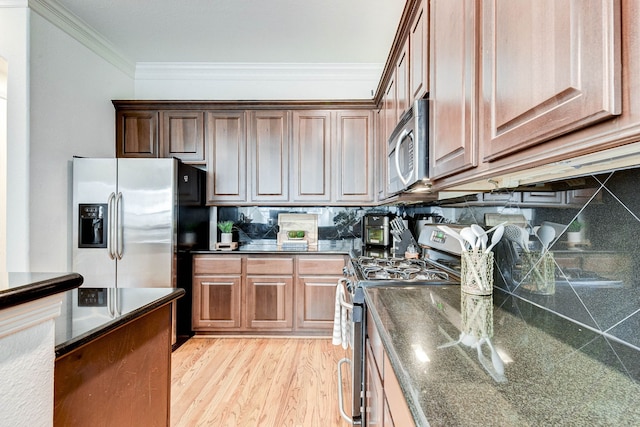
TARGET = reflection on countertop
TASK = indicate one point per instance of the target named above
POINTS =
(89, 313)
(556, 372)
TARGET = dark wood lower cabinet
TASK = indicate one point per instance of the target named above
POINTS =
(120, 379)
(279, 294)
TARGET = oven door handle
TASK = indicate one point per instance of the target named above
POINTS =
(343, 414)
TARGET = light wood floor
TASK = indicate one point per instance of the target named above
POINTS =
(247, 382)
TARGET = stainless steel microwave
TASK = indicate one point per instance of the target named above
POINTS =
(408, 151)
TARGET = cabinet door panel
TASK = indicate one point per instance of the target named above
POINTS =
(453, 87)
(226, 157)
(354, 169)
(183, 135)
(419, 53)
(311, 156)
(269, 302)
(550, 67)
(217, 302)
(316, 302)
(137, 134)
(269, 156)
(403, 80)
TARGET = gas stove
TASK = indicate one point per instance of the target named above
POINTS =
(389, 269)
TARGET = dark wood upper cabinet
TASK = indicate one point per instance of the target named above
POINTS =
(226, 157)
(354, 167)
(137, 134)
(269, 155)
(549, 68)
(311, 156)
(419, 52)
(182, 135)
(453, 128)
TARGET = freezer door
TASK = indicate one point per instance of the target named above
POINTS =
(94, 182)
(146, 225)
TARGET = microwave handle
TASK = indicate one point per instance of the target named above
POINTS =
(404, 134)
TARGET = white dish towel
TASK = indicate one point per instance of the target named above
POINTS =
(341, 320)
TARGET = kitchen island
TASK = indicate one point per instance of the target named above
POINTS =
(29, 303)
(555, 371)
(113, 356)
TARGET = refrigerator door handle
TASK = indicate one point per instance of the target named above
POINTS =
(119, 228)
(110, 226)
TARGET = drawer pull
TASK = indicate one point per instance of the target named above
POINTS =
(216, 283)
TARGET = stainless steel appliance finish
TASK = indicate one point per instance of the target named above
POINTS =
(142, 207)
(408, 151)
(375, 230)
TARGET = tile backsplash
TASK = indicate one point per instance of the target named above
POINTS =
(260, 222)
(596, 281)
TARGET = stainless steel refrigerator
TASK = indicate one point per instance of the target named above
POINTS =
(130, 217)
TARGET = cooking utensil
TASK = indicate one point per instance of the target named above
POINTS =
(469, 236)
(495, 238)
(481, 236)
(546, 234)
(516, 235)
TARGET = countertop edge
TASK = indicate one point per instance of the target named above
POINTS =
(40, 289)
(68, 346)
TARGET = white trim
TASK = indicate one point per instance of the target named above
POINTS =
(24, 316)
(257, 71)
(76, 28)
(14, 3)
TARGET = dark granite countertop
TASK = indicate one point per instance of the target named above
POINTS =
(555, 371)
(19, 288)
(88, 313)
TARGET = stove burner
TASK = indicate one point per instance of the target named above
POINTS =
(399, 269)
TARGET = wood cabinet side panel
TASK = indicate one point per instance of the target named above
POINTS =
(123, 377)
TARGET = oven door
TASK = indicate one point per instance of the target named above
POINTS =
(350, 369)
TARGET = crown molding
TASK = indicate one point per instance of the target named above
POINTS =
(72, 25)
(14, 3)
(257, 71)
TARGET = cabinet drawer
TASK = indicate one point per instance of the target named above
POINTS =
(217, 265)
(320, 265)
(270, 265)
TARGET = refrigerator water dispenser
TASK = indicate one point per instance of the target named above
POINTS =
(92, 231)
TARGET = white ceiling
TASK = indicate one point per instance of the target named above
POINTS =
(244, 31)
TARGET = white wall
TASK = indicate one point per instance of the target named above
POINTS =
(4, 70)
(14, 47)
(71, 114)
